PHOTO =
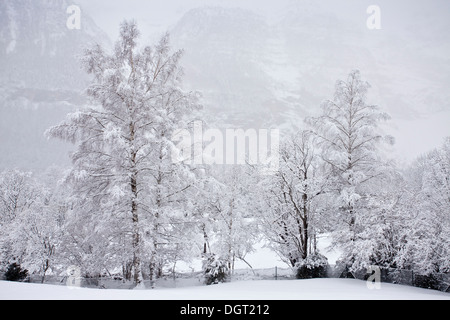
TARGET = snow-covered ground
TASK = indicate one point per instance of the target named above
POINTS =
(239, 290)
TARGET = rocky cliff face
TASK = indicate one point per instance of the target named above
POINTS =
(40, 77)
(38, 50)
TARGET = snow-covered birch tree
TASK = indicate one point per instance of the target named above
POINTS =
(350, 137)
(122, 171)
(226, 216)
(291, 199)
(235, 224)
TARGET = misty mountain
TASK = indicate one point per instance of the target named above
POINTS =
(38, 50)
(252, 72)
(225, 50)
(259, 73)
(40, 78)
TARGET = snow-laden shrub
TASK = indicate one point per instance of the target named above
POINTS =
(15, 273)
(314, 266)
(428, 281)
(215, 270)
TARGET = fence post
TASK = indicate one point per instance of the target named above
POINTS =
(276, 273)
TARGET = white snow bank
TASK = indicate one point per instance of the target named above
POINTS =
(240, 290)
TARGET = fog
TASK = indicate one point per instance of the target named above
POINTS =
(259, 64)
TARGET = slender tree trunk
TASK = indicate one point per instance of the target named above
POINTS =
(155, 271)
(44, 269)
(134, 211)
(136, 236)
(152, 274)
(305, 226)
(206, 241)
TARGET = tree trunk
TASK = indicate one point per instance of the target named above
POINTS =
(134, 211)
(135, 215)
(305, 226)
(126, 270)
(136, 236)
(44, 269)
(206, 241)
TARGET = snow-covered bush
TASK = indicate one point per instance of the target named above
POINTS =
(15, 272)
(314, 266)
(215, 269)
(429, 281)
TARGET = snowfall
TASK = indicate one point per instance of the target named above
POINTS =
(325, 289)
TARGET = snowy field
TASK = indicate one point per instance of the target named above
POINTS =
(240, 290)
